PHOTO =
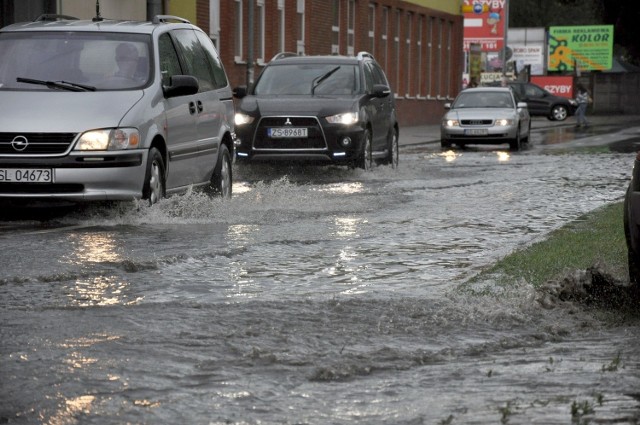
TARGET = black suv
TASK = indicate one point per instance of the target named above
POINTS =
(325, 109)
(540, 102)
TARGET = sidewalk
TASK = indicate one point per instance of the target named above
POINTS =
(423, 134)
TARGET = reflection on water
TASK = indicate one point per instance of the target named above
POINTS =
(503, 156)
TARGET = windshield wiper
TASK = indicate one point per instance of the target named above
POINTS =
(63, 85)
(320, 79)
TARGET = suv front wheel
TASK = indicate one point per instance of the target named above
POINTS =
(365, 160)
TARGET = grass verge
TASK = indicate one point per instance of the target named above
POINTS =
(597, 238)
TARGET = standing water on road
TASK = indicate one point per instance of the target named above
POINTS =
(314, 296)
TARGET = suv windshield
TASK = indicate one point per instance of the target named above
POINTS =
(307, 79)
(59, 60)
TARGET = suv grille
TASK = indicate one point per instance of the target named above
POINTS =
(314, 139)
(37, 143)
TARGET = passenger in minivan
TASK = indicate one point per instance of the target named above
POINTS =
(127, 60)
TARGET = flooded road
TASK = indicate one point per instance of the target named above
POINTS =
(316, 296)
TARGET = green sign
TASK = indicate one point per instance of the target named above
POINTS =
(587, 47)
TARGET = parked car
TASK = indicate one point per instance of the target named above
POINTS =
(324, 109)
(543, 103)
(485, 115)
(112, 110)
(631, 221)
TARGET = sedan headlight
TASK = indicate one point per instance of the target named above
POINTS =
(503, 122)
(346, 118)
(242, 119)
(109, 140)
(451, 123)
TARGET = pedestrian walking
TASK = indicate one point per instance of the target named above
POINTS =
(583, 99)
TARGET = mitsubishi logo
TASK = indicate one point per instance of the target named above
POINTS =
(288, 122)
(19, 143)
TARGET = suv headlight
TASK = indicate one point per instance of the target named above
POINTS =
(346, 118)
(109, 140)
(242, 119)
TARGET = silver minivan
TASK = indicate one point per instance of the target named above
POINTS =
(112, 110)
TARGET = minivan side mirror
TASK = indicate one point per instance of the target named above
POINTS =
(380, 90)
(240, 91)
(181, 85)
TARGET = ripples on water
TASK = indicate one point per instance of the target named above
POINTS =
(324, 296)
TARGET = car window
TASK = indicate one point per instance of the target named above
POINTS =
(196, 62)
(220, 77)
(483, 100)
(86, 58)
(368, 78)
(533, 91)
(301, 79)
(169, 62)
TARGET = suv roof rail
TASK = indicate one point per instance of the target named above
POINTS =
(283, 55)
(166, 18)
(363, 54)
(54, 17)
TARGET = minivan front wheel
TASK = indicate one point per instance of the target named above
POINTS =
(221, 179)
(153, 189)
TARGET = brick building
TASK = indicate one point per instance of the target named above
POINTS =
(419, 43)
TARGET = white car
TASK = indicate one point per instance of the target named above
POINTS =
(102, 110)
(485, 115)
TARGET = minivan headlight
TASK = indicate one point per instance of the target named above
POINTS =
(112, 139)
(347, 118)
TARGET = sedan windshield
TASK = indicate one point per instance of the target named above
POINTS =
(307, 79)
(485, 99)
(75, 61)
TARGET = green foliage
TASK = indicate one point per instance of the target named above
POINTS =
(595, 238)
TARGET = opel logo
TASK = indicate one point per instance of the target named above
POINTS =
(288, 122)
(19, 143)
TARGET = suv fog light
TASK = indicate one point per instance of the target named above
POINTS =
(346, 141)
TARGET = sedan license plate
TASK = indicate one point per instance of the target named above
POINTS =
(26, 175)
(476, 132)
(287, 132)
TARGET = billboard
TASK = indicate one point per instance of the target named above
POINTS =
(588, 47)
(484, 24)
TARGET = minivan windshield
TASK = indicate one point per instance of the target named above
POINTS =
(73, 61)
(307, 79)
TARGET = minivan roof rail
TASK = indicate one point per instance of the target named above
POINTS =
(166, 18)
(54, 17)
(283, 55)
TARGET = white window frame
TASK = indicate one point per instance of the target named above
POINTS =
(301, 27)
(407, 62)
(261, 31)
(281, 26)
(385, 37)
(335, 27)
(214, 22)
(351, 27)
(239, 26)
(372, 28)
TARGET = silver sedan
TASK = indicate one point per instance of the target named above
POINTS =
(485, 115)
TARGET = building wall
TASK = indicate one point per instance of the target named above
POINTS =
(424, 66)
(112, 9)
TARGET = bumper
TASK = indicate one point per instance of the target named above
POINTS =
(85, 177)
(331, 144)
(495, 135)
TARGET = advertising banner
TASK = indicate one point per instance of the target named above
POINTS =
(588, 47)
(560, 85)
(484, 24)
(529, 54)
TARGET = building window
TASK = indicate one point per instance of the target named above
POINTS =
(260, 31)
(430, 54)
(351, 28)
(384, 38)
(407, 55)
(335, 27)
(396, 49)
(449, 71)
(439, 57)
(280, 35)
(372, 28)
(420, 58)
(238, 29)
(214, 22)
(300, 27)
